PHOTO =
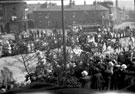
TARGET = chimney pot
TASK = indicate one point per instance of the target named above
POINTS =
(73, 2)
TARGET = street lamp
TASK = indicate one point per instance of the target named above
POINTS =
(134, 5)
(95, 11)
(26, 10)
(111, 19)
(26, 18)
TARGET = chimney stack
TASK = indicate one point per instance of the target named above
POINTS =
(70, 3)
(134, 5)
(116, 3)
(84, 2)
(73, 3)
(117, 18)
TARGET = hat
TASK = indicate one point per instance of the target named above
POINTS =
(84, 73)
(111, 64)
(124, 66)
(44, 61)
(38, 52)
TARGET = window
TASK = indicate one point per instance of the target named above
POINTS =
(74, 15)
(46, 17)
(39, 17)
(40, 13)
(40, 21)
(49, 23)
(74, 22)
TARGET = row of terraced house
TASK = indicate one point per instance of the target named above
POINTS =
(14, 15)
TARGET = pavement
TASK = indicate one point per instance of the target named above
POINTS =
(15, 66)
(46, 88)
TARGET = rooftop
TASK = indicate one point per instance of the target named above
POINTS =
(12, 1)
(32, 7)
(73, 8)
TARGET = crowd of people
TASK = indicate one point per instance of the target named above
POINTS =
(100, 61)
(32, 40)
(115, 71)
(111, 66)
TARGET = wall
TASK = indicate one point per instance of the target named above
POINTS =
(52, 19)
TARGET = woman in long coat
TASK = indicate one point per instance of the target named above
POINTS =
(97, 80)
(108, 74)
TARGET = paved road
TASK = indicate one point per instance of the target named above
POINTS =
(46, 88)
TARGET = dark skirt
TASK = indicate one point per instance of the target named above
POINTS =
(97, 81)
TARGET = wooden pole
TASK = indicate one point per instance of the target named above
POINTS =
(134, 5)
(134, 10)
(63, 30)
(95, 11)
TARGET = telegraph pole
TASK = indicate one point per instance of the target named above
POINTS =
(134, 9)
(95, 11)
(117, 12)
(134, 5)
(63, 30)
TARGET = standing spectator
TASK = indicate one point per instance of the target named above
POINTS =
(123, 74)
(97, 80)
(86, 80)
(108, 74)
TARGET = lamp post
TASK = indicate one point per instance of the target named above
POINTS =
(63, 30)
(134, 5)
(95, 11)
(26, 18)
(111, 19)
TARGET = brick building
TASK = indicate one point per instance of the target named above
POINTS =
(117, 15)
(48, 16)
(11, 12)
